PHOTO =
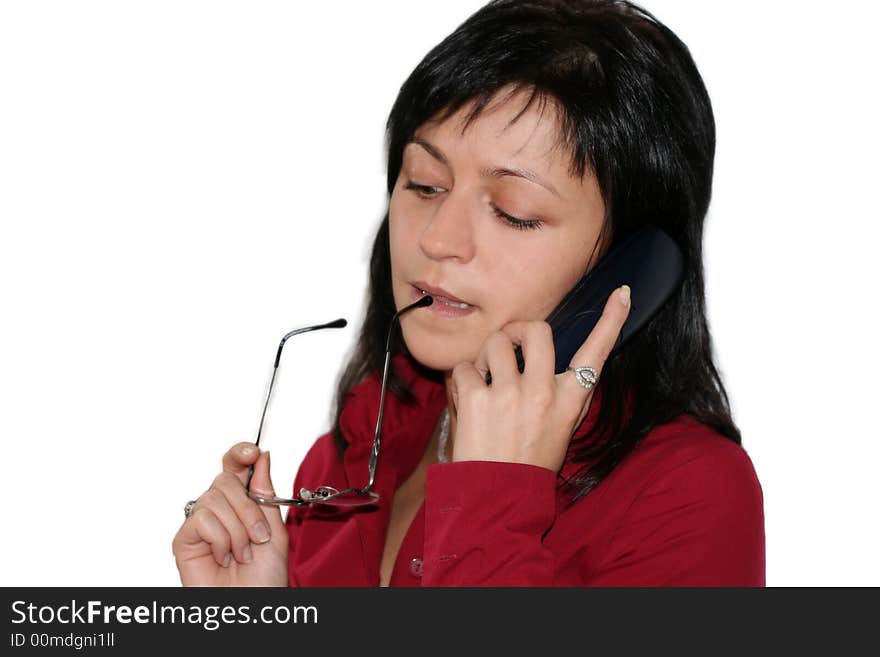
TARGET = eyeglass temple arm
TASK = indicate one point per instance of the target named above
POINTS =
(374, 453)
(426, 300)
(336, 323)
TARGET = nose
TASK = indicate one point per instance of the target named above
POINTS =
(449, 233)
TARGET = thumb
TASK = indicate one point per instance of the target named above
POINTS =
(261, 484)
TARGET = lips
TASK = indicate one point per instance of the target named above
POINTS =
(439, 293)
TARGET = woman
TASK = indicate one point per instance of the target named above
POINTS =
(520, 150)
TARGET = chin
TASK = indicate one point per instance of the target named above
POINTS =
(441, 354)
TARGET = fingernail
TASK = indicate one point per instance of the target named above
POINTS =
(227, 559)
(624, 295)
(247, 450)
(247, 554)
(261, 532)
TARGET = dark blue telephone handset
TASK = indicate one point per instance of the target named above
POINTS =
(648, 260)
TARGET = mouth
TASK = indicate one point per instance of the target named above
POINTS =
(441, 296)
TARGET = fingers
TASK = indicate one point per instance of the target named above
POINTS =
(594, 352)
(210, 530)
(235, 537)
(239, 459)
(226, 518)
(261, 484)
(539, 353)
(467, 382)
(225, 522)
(249, 514)
(497, 356)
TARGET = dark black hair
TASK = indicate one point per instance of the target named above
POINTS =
(636, 114)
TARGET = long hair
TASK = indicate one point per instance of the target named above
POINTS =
(635, 113)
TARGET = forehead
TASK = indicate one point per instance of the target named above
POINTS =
(508, 129)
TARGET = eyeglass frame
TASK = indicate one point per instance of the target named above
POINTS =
(351, 496)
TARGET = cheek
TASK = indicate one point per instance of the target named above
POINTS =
(509, 295)
(530, 284)
(396, 228)
(403, 222)
(403, 236)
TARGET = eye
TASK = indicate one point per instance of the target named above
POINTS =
(430, 191)
(424, 191)
(518, 224)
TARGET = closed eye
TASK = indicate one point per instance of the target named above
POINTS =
(429, 191)
(422, 190)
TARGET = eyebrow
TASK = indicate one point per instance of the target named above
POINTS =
(497, 172)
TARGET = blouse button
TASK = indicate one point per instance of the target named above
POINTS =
(415, 567)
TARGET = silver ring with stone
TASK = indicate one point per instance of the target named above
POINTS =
(585, 376)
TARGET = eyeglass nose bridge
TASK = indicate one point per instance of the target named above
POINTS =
(323, 495)
(276, 501)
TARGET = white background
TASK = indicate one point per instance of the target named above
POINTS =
(183, 182)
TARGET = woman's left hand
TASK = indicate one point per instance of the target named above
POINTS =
(530, 417)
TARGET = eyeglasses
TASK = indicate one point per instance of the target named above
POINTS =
(328, 494)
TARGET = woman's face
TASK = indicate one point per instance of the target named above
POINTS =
(446, 232)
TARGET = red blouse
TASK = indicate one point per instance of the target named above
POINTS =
(684, 508)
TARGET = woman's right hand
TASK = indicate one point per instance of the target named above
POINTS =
(230, 540)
